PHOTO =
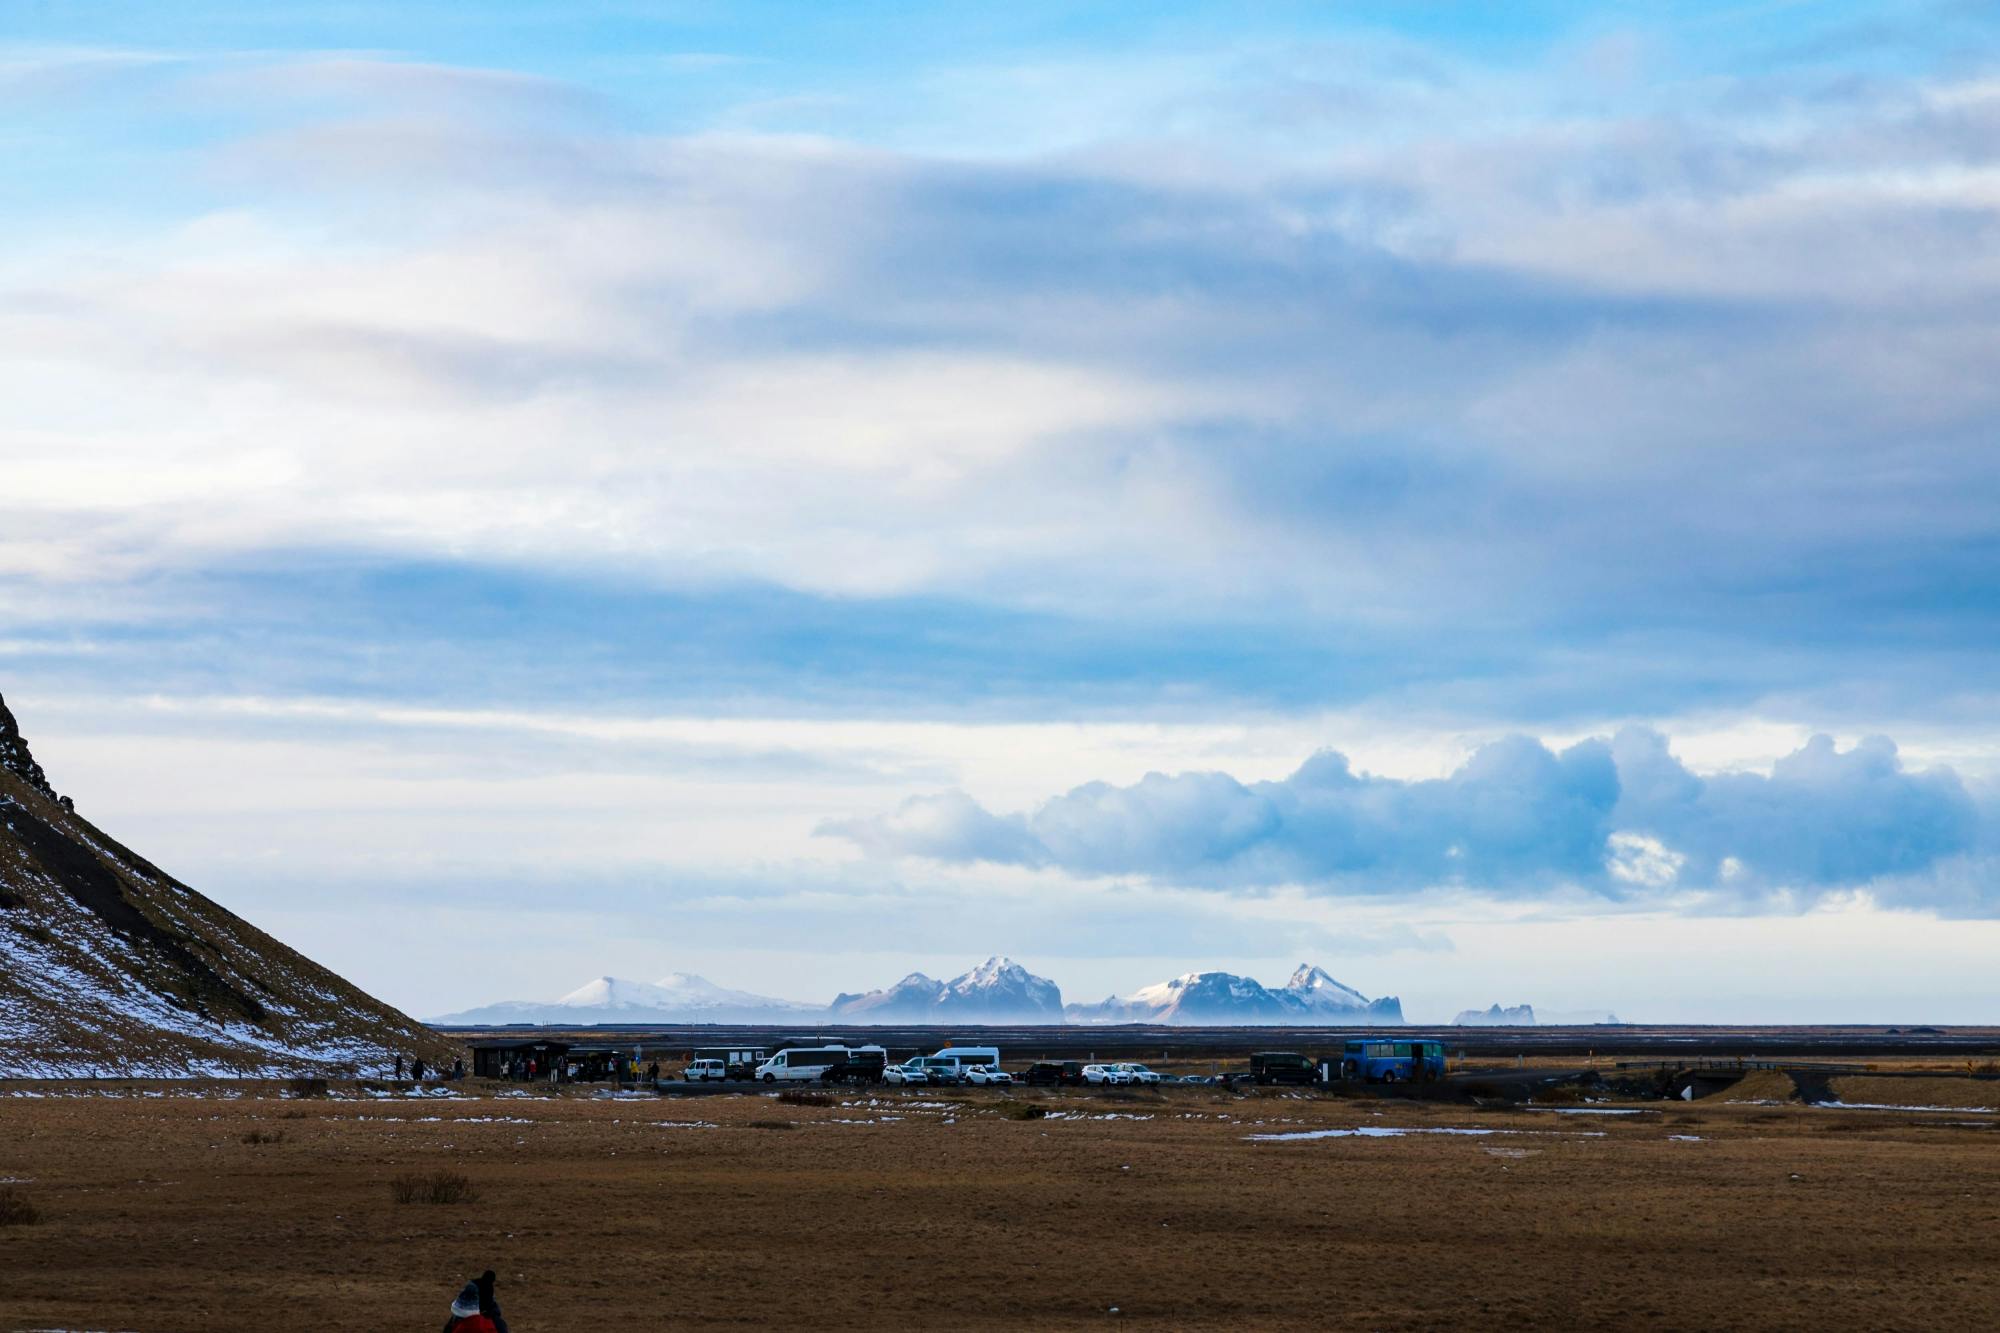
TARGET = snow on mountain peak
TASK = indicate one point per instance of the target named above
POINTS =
(1319, 989)
(1224, 997)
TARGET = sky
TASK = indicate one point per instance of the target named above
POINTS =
(1499, 501)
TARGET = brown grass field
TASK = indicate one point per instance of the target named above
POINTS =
(216, 1212)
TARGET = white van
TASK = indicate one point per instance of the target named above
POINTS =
(966, 1057)
(800, 1064)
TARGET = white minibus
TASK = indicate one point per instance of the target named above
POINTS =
(801, 1064)
(965, 1057)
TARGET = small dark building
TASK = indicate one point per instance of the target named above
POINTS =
(596, 1064)
(509, 1057)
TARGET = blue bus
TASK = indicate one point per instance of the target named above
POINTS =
(1392, 1061)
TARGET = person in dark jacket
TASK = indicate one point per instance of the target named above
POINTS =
(476, 1310)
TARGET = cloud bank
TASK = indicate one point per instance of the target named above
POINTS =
(1621, 817)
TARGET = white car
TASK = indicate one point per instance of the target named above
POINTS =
(705, 1071)
(1137, 1073)
(911, 1075)
(991, 1076)
(1105, 1075)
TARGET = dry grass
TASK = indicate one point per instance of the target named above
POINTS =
(800, 1097)
(1762, 1085)
(596, 1209)
(260, 1136)
(432, 1187)
(16, 1209)
(771, 1124)
(1939, 1091)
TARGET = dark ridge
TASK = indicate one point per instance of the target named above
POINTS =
(73, 867)
(15, 758)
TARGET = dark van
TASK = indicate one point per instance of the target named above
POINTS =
(1054, 1074)
(1267, 1067)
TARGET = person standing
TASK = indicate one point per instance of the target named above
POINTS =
(399, 1068)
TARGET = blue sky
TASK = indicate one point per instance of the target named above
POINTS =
(796, 493)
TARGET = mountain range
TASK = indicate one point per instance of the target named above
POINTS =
(1225, 999)
(111, 967)
(1518, 1015)
(998, 991)
(678, 997)
(1526, 1015)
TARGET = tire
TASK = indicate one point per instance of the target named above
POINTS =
(770, 1078)
(1389, 1076)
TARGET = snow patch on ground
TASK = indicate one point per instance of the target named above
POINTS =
(1881, 1106)
(1396, 1132)
(1591, 1110)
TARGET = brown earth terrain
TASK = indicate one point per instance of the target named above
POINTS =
(160, 1210)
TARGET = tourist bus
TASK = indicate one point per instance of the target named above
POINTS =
(1376, 1061)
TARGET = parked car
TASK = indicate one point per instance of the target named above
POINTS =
(1105, 1075)
(910, 1074)
(705, 1071)
(1135, 1073)
(864, 1064)
(943, 1070)
(989, 1076)
(1054, 1074)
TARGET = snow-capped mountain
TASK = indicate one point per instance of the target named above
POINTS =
(1225, 999)
(678, 997)
(1316, 993)
(910, 1000)
(110, 967)
(999, 990)
(1519, 1015)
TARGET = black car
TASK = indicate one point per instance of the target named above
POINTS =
(1054, 1074)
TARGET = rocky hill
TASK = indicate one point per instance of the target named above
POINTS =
(110, 967)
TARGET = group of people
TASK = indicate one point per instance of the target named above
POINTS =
(419, 1070)
(529, 1068)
